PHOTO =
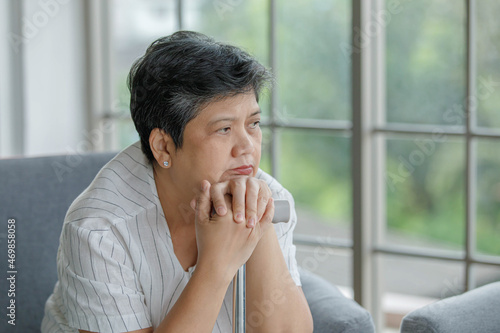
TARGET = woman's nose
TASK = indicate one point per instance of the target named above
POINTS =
(243, 144)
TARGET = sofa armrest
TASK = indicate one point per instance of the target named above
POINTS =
(331, 310)
(475, 311)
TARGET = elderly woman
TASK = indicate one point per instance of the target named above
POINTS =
(153, 243)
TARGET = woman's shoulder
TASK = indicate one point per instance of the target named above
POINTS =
(120, 190)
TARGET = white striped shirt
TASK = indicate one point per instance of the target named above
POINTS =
(116, 263)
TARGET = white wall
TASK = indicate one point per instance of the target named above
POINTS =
(8, 146)
(3, 76)
(54, 77)
(54, 120)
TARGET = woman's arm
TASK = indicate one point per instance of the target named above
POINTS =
(223, 246)
(198, 306)
(274, 302)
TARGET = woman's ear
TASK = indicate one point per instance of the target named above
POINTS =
(160, 142)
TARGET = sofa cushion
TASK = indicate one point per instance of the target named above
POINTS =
(333, 312)
(475, 311)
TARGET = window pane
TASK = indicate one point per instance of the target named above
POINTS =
(426, 192)
(248, 22)
(315, 168)
(313, 59)
(484, 274)
(488, 197)
(123, 134)
(240, 23)
(334, 265)
(488, 62)
(425, 60)
(135, 25)
(410, 283)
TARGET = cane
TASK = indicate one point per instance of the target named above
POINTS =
(281, 214)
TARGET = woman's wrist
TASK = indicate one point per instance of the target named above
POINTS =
(210, 271)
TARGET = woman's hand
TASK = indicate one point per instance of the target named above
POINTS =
(223, 244)
(250, 197)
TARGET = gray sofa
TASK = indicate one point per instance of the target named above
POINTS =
(36, 192)
(475, 311)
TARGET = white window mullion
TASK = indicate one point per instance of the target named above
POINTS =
(100, 95)
(378, 165)
(471, 147)
(361, 155)
(274, 145)
(180, 13)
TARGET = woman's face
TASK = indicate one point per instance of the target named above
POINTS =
(222, 142)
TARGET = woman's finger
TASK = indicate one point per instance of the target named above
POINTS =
(267, 218)
(203, 203)
(264, 195)
(217, 193)
(238, 188)
(252, 202)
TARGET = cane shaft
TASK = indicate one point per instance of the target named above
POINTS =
(239, 290)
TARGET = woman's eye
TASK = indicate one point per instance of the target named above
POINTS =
(255, 124)
(224, 130)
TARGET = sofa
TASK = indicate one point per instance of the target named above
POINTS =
(477, 310)
(35, 194)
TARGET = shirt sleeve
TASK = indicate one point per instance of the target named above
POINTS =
(100, 289)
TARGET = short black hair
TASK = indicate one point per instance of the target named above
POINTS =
(179, 74)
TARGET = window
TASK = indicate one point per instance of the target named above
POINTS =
(441, 142)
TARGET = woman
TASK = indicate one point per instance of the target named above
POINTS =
(142, 249)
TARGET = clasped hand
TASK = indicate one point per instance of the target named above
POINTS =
(222, 238)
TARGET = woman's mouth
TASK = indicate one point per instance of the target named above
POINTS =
(243, 170)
